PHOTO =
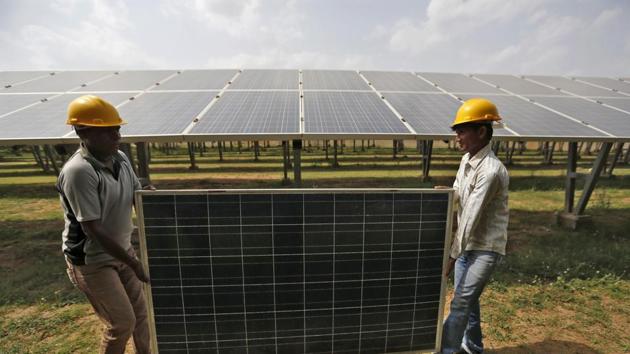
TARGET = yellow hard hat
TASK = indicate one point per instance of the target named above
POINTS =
(93, 111)
(476, 110)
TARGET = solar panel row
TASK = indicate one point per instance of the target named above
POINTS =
(337, 103)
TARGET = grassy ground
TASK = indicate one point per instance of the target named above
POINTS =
(557, 292)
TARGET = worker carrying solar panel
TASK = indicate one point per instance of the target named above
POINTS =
(96, 187)
(481, 190)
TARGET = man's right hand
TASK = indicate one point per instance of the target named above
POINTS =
(137, 267)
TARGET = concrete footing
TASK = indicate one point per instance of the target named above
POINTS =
(571, 221)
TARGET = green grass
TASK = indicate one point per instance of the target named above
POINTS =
(557, 291)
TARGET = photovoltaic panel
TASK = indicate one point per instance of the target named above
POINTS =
(13, 77)
(47, 119)
(530, 120)
(572, 86)
(349, 112)
(267, 80)
(163, 113)
(59, 82)
(459, 83)
(11, 102)
(518, 85)
(622, 103)
(333, 80)
(428, 114)
(251, 112)
(295, 271)
(198, 80)
(608, 83)
(611, 121)
(397, 81)
(129, 81)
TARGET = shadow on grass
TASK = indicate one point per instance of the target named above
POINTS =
(546, 347)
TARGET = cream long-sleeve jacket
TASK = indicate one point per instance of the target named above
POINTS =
(481, 196)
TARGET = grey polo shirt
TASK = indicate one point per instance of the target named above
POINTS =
(91, 191)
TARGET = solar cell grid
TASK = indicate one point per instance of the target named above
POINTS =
(397, 81)
(528, 119)
(611, 121)
(573, 86)
(47, 119)
(163, 113)
(267, 80)
(459, 83)
(198, 80)
(333, 80)
(299, 271)
(60, 82)
(518, 85)
(128, 81)
(252, 112)
(428, 114)
(349, 112)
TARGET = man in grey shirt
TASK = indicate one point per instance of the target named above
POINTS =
(96, 187)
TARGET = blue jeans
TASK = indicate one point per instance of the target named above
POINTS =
(472, 272)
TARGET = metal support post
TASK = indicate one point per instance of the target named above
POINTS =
(285, 162)
(191, 155)
(569, 188)
(51, 157)
(591, 180)
(608, 172)
(256, 150)
(143, 163)
(394, 148)
(427, 151)
(335, 161)
(297, 162)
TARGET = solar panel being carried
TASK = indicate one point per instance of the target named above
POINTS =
(397, 81)
(349, 113)
(198, 80)
(251, 113)
(295, 271)
(333, 80)
(163, 113)
(266, 80)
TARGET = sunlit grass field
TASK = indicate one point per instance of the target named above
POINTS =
(558, 291)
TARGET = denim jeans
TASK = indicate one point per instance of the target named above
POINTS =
(472, 272)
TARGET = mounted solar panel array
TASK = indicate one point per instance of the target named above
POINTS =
(194, 105)
(295, 271)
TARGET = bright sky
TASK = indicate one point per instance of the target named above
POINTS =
(559, 37)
